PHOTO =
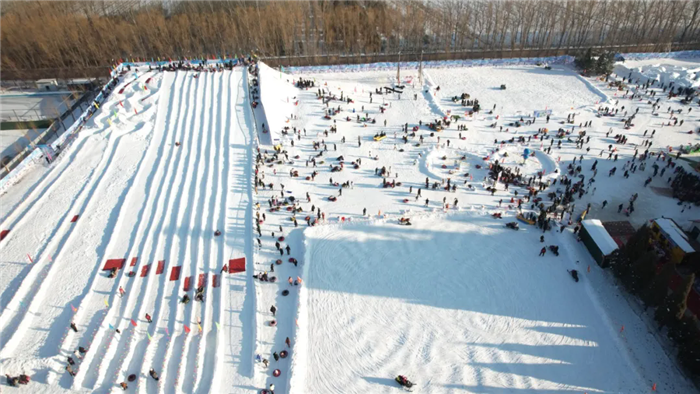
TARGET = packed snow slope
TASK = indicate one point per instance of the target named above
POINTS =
(151, 177)
(458, 304)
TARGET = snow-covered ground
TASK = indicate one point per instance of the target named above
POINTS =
(456, 301)
(459, 304)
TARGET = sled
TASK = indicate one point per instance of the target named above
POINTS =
(525, 220)
(379, 137)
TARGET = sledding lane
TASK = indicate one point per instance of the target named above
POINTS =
(143, 246)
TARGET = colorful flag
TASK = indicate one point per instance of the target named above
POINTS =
(149, 335)
(106, 303)
(73, 308)
(200, 327)
(133, 323)
(110, 327)
(166, 331)
(217, 325)
(187, 329)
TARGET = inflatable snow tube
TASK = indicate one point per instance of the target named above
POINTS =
(289, 209)
(281, 239)
(131, 378)
(273, 323)
(292, 260)
(405, 200)
(278, 262)
(307, 218)
(276, 373)
(272, 279)
(284, 354)
(285, 292)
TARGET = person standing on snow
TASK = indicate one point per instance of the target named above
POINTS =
(288, 342)
(543, 251)
(148, 318)
(288, 250)
(273, 310)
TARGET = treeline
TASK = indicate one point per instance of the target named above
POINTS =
(636, 266)
(84, 34)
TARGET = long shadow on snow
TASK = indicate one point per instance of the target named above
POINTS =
(515, 283)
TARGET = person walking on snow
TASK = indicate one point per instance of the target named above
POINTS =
(273, 310)
(288, 342)
(288, 250)
(121, 292)
(272, 388)
(153, 374)
(290, 280)
(72, 325)
(276, 356)
(543, 251)
(148, 318)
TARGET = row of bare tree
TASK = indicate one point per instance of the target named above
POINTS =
(94, 34)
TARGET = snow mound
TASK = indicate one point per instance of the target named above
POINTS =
(663, 71)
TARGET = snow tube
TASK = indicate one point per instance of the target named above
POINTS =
(281, 239)
(272, 279)
(284, 354)
(292, 260)
(289, 209)
(405, 200)
(308, 178)
(131, 377)
(273, 323)
(285, 292)
(307, 218)
(278, 262)
(276, 373)
(260, 221)
(332, 199)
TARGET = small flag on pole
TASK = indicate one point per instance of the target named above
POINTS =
(200, 327)
(106, 303)
(166, 331)
(73, 308)
(217, 325)
(111, 327)
(30, 258)
(133, 323)
(187, 329)
(149, 335)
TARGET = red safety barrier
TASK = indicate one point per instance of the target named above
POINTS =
(215, 281)
(236, 265)
(186, 287)
(175, 273)
(144, 270)
(133, 261)
(202, 280)
(161, 267)
(75, 219)
(3, 234)
(114, 263)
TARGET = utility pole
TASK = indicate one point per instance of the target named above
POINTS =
(398, 70)
(420, 70)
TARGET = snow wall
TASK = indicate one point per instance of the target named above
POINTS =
(565, 59)
(277, 97)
